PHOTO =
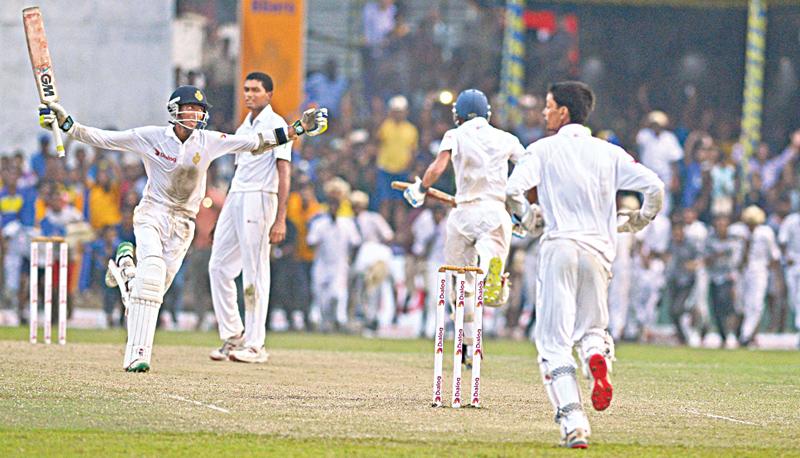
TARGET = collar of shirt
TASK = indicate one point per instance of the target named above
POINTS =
(170, 133)
(575, 130)
(267, 111)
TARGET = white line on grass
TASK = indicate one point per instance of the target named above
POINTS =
(198, 403)
(720, 417)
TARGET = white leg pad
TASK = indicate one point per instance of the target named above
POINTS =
(561, 384)
(147, 294)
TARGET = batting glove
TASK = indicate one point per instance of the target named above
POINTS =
(635, 220)
(415, 194)
(52, 111)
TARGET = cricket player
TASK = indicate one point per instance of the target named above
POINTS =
(252, 219)
(478, 229)
(789, 241)
(577, 178)
(619, 289)
(175, 159)
(760, 254)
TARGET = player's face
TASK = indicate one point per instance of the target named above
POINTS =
(189, 114)
(255, 96)
(554, 116)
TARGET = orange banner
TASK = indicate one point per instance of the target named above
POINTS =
(273, 38)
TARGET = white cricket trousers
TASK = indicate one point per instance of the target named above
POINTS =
(572, 300)
(241, 245)
(792, 273)
(756, 281)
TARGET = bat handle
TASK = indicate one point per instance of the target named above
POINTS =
(57, 137)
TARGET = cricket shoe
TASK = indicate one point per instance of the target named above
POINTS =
(222, 353)
(602, 390)
(496, 285)
(249, 355)
(578, 438)
(138, 365)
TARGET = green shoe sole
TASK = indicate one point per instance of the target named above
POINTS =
(493, 286)
(138, 367)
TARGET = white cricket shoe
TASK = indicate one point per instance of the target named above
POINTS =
(222, 353)
(249, 355)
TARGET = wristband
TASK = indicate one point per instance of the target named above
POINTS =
(298, 128)
(67, 125)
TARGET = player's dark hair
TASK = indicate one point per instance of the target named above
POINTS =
(576, 96)
(266, 81)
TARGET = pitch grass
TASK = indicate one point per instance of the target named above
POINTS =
(325, 395)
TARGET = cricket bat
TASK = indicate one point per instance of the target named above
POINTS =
(432, 193)
(42, 65)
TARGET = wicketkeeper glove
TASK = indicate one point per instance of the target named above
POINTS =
(415, 194)
(635, 222)
(52, 111)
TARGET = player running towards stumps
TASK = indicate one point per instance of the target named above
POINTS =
(176, 159)
(478, 229)
(577, 178)
(253, 218)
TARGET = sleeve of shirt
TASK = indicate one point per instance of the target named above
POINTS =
(284, 151)
(527, 173)
(220, 144)
(131, 140)
(517, 150)
(383, 227)
(633, 176)
(449, 141)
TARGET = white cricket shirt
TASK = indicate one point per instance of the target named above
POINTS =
(480, 155)
(259, 172)
(763, 246)
(789, 235)
(577, 177)
(176, 171)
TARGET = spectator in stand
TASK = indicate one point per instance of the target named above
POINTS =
(723, 256)
(659, 151)
(104, 196)
(723, 183)
(326, 88)
(294, 295)
(95, 262)
(398, 146)
(770, 169)
(300, 210)
(16, 219)
(532, 127)
(379, 22)
(684, 260)
(39, 159)
(57, 219)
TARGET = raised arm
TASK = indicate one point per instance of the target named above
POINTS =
(127, 140)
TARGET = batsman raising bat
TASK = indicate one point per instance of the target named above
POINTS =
(176, 159)
(479, 228)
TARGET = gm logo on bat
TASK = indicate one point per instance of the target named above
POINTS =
(47, 83)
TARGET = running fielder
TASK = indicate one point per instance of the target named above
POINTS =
(577, 178)
(478, 229)
(176, 159)
(253, 218)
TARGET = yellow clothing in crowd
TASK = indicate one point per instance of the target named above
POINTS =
(398, 145)
(300, 217)
(104, 206)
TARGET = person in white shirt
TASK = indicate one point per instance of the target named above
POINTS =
(789, 240)
(760, 254)
(430, 230)
(478, 229)
(333, 238)
(660, 152)
(176, 159)
(371, 276)
(619, 289)
(577, 178)
(253, 218)
(650, 253)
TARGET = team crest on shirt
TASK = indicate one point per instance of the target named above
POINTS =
(196, 158)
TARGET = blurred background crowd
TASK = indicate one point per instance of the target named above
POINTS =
(671, 98)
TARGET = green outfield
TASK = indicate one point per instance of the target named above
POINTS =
(326, 395)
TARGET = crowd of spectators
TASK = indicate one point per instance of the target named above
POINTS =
(386, 126)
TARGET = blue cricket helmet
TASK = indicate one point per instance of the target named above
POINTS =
(471, 103)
